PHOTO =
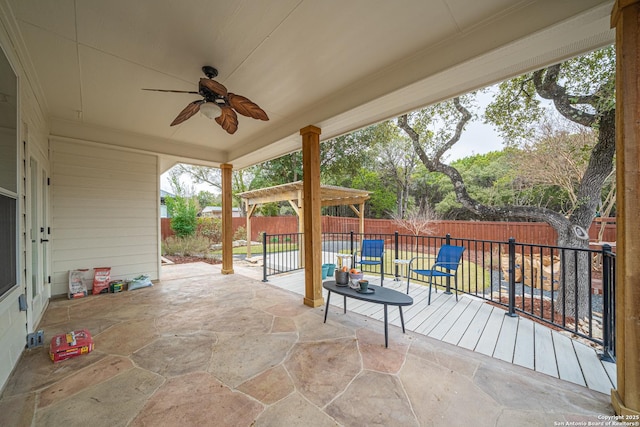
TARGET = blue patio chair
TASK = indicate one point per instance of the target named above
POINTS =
(446, 265)
(371, 253)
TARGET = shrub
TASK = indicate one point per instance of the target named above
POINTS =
(261, 236)
(240, 234)
(185, 246)
(211, 228)
(184, 215)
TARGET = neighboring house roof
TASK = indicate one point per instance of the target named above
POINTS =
(217, 209)
(164, 194)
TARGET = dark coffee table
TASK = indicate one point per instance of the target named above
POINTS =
(381, 295)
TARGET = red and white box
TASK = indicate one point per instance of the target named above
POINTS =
(71, 344)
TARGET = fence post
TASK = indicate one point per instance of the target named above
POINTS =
(512, 278)
(395, 236)
(264, 257)
(448, 279)
(608, 319)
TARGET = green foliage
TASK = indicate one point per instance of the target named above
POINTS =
(184, 215)
(589, 84)
(185, 246)
(207, 198)
(211, 228)
(382, 201)
(240, 234)
(489, 178)
(269, 209)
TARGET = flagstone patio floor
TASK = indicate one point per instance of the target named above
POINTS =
(204, 349)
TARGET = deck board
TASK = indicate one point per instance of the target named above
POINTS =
(545, 354)
(524, 350)
(449, 320)
(464, 322)
(484, 328)
(473, 333)
(568, 365)
(594, 373)
(507, 339)
(489, 338)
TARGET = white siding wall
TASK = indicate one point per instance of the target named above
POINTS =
(32, 127)
(13, 333)
(105, 211)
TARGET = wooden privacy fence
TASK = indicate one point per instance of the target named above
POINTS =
(529, 232)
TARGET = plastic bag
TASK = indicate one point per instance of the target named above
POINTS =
(101, 279)
(139, 282)
(77, 287)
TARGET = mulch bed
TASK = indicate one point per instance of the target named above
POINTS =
(188, 259)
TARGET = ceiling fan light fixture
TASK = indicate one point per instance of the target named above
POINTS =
(210, 110)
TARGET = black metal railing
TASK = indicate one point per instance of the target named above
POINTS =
(572, 289)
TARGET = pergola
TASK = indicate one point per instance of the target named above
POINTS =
(330, 195)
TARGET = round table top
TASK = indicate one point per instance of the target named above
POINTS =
(401, 261)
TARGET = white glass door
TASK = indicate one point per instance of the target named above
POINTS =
(39, 232)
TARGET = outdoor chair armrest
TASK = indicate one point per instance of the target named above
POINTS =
(453, 265)
(415, 258)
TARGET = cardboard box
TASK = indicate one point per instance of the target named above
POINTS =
(72, 344)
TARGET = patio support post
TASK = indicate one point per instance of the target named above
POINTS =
(311, 204)
(227, 225)
(625, 17)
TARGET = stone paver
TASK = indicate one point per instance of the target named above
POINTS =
(201, 348)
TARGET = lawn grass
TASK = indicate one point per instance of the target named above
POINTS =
(471, 276)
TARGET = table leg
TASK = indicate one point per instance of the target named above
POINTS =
(345, 304)
(401, 318)
(386, 328)
(326, 310)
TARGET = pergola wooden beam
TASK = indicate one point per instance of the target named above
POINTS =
(330, 195)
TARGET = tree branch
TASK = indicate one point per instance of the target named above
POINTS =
(546, 84)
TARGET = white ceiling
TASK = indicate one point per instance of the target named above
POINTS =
(335, 64)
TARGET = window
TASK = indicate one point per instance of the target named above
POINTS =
(7, 243)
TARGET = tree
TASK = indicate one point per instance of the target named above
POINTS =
(582, 91)
(184, 215)
(397, 162)
(207, 198)
(416, 222)
(213, 177)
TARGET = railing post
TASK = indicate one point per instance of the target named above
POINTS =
(512, 278)
(353, 255)
(264, 257)
(395, 236)
(448, 279)
(608, 320)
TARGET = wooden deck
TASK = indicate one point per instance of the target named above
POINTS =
(475, 325)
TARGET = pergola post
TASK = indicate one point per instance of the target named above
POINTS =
(227, 224)
(626, 20)
(311, 205)
(249, 209)
(300, 213)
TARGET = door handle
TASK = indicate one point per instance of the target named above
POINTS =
(44, 240)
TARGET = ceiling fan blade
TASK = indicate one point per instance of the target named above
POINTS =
(228, 119)
(247, 108)
(173, 91)
(213, 86)
(189, 111)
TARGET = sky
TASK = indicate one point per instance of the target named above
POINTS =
(478, 138)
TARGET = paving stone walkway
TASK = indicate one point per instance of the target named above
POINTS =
(203, 349)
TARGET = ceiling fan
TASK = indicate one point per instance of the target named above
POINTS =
(215, 97)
